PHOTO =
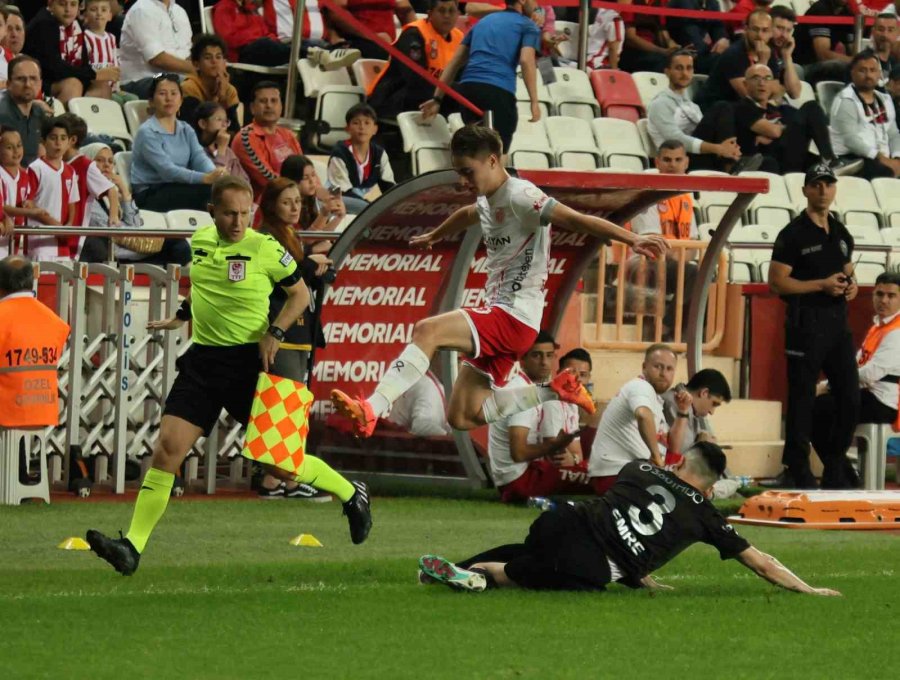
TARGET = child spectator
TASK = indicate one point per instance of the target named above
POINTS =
(358, 165)
(6, 54)
(54, 37)
(92, 185)
(54, 187)
(102, 48)
(210, 83)
(605, 37)
(96, 248)
(211, 126)
(16, 187)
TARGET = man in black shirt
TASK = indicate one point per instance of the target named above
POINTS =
(782, 133)
(816, 44)
(811, 270)
(648, 517)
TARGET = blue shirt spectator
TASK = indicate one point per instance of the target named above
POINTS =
(494, 46)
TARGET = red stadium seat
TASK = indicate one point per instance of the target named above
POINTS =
(617, 94)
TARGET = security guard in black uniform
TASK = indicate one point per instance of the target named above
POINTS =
(812, 271)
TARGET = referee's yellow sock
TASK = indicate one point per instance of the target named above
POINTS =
(151, 504)
(316, 472)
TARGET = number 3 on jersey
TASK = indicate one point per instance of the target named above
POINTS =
(662, 503)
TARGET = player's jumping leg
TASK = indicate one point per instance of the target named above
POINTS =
(176, 437)
(354, 495)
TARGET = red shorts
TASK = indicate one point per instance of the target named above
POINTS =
(542, 478)
(500, 341)
(602, 484)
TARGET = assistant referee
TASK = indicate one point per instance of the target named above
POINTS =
(812, 271)
(233, 273)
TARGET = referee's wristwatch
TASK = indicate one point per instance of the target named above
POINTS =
(276, 333)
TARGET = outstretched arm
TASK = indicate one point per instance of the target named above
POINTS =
(651, 245)
(775, 572)
(459, 221)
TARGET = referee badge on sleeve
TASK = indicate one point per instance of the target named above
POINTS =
(286, 259)
(237, 271)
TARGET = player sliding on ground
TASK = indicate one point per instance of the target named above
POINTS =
(515, 218)
(233, 274)
(646, 518)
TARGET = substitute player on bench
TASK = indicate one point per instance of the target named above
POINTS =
(233, 273)
(515, 218)
(647, 518)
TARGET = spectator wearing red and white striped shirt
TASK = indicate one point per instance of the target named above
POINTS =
(14, 178)
(605, 37)
(54, 187)
(101, 47)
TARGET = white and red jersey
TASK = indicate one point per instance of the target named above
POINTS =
(102, 50)
(279, 16)
(16, 190)
(6, 56)
(559, 416)
(52, 189)
(5, 241)
(607, 28)
(515, 226)
(71, 44)
(92, 184)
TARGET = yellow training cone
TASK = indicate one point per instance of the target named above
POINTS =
(306, 541)
(74, 543)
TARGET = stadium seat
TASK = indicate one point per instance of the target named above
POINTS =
(530, 148)
(773, 209)
(58, 107)
(544, 99)
(807, 94)
(455, 121)
(643, 126)
(424, 139)
(712, 205)
(856, 202)
(103, 116)
(428, 159)
(617, 94)
(697, 84)
(573, 143)
(151, 219)
(620, 144)
(572, 94)
(320, 163)
(761, 236)
(136, 112)
(122, 163)
(794, 183)
(649, 84)
(366, 70)
(188, 219)
(334, 94)
(826, 91)
(867, 272)
(891, 236)
(887, 191)
(569, 48)
(867, 235)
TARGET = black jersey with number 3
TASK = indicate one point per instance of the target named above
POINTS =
(650, 515)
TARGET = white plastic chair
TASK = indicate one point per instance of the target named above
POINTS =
(774, 208)
(103, 116)
(867, 235)
(856, 202)
(425, 140)
(455, 121)
(530, 146)
(643, 126)
(568, 49)
(573, 143)
(573, 95)
(620, 144)
(334, 94)
(188, 219)
(150, 219)
(136, 112)
(873, 460)
(887, 191)
(543, 95)
(122, 164)
(826, 91)
(712, 205)
(757, 235)
(649, 84)
(12, 491)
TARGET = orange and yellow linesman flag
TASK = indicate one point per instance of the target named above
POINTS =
(279, 422)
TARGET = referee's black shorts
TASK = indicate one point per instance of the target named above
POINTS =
(561, 554)
(211, 379)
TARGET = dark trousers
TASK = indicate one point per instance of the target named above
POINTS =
(638, 60)
(817, 340)
(790, 152)
(715, 127)
(174, 251)
(872, 168)
(367, 48)
(825, 438)
(832, 69)
(174, 196)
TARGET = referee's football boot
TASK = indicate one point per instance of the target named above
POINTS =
(359, 411)
(119, 552)
(567, 387)
(444, 571)
(359, 513)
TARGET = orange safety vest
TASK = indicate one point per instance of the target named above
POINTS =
(870, 345)
(32, 338)
(438, 50)
(675, 215)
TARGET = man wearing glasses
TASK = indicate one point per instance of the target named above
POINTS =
(156, 37)
(782, 133)
(19, 108)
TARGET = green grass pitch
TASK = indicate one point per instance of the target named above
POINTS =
(221, 594)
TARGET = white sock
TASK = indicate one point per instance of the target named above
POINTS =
(402, 374)
(506, 401)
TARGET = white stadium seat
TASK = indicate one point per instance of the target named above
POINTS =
(807, 94)
(773, 208)
(573, 143)
(543, 95)
(188, 219)
(712, 205)
(756, 235)
(826, 91)
(887, 191)
(569, 48)
(891, 236)
(103, 116)
(334, 94)
(428, 142)
(455, 121)
(867, 272)
(856, 202)
(867, 235)
(649, 84)
(643, 126)
(573, 95)
(620, 144)
(122, 163)
(794, 183)
(153, 220)
(530, 148)
(136, 112)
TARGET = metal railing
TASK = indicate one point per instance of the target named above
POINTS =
(632, 292)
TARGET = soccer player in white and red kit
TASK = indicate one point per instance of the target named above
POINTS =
(54, 187)
(515, 218)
